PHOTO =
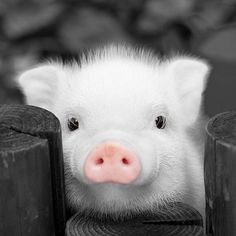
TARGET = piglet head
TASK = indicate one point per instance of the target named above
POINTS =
(125, 117)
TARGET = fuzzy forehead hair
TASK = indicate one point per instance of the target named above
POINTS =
(115, 51)
(124, 51)
(185, 77)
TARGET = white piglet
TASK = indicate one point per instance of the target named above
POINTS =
(132, 128)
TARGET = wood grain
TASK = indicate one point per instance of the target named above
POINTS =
(31, 172)
(174, 219)
(220, 175)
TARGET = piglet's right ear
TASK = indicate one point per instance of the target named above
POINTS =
(39, 85)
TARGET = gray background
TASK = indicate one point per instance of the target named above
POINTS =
(32, 31)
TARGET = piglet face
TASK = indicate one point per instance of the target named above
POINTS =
(124, 119)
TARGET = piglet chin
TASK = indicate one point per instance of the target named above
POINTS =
(110, 200)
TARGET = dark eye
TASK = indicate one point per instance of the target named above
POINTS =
(73, 124)
(160, 122)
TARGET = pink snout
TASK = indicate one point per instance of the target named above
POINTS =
(112, 162)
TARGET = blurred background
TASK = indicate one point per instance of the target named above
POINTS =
(32, 31)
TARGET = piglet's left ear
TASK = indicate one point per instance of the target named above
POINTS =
(189, 76)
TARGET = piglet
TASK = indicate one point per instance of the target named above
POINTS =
(132, 128)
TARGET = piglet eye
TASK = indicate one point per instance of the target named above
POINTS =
(160, 122)
(73, 124)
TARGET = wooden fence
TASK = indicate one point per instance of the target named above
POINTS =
(32, 191)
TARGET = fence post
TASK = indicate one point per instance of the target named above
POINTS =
(32, 199)
(220, 175)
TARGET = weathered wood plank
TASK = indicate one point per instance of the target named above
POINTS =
(174, 219)
(25, 172)
(31, 172)
(209, 176)
(220, 175)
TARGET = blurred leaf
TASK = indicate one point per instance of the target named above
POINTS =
(27, 18)
(229, 1)
(159, 12)
(211, 15)
(221, 45)
(88, 27)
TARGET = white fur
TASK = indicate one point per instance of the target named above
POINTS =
(116, 94)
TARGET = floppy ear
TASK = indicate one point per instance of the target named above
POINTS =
(39, 85)
(189, 78)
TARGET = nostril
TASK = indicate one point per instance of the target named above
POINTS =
(125, 161)
(99, 161)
